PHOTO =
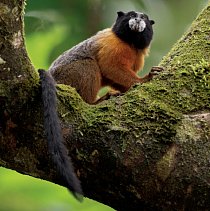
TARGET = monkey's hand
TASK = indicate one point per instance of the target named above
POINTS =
(155, 70)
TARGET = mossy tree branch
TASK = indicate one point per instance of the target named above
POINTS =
(148, 149)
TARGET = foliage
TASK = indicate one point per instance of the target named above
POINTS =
(30, 194)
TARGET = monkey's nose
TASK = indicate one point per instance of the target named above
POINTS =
(137, 20)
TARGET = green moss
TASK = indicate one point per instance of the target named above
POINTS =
(185, 83)
(201, 72)
(191, 47)
(151, 115)
(70, 105)
(69, 97)
(19, 90)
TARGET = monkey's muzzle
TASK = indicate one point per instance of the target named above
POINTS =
(137, 24)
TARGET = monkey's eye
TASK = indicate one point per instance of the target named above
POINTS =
(132, 15)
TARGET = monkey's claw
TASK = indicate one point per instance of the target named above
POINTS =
(155, 70)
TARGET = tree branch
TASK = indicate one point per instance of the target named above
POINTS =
(148, 149)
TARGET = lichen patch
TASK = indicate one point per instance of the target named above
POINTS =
(17, 40)
(4, 9)
(166, 164)
(2, 61)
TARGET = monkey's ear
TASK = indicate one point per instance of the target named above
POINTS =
(152, 22)
(120, 13)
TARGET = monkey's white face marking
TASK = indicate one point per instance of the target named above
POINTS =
(137, 23)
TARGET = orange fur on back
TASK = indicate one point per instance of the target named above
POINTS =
(115, 53)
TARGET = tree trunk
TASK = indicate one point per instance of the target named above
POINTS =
(146, 150)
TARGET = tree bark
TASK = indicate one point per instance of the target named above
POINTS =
(145, 150)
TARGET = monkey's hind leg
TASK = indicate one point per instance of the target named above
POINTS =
(90, 81)
(84, 75)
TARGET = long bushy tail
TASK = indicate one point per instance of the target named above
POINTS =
(53, 132)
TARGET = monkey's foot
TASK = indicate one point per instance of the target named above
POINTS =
(108, 95)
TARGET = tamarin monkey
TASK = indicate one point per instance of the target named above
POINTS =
(112, 58)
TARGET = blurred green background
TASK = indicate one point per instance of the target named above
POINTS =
(53, 26)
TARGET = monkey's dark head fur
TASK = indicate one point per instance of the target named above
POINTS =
(134, 28)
